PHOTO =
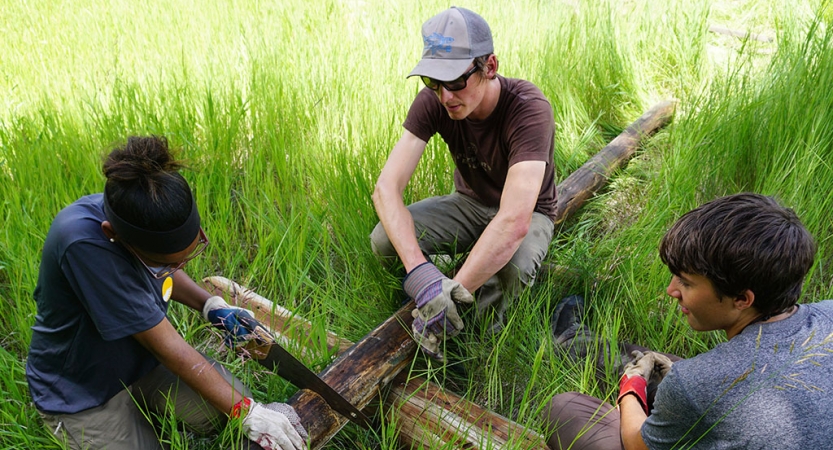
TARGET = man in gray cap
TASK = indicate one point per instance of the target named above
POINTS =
(500, 132)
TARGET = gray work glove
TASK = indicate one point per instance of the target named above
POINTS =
(436, 315)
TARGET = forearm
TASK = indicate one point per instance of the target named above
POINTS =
(188, 292)
(493, 250)
(189, 365)
(198, 373)
(399, 226)
(388, 201)
(632, 416)
(505, 233)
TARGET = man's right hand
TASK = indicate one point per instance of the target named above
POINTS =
(436, 315)
(274, 426)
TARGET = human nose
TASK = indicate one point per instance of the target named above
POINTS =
(444, 93)
(672, 289)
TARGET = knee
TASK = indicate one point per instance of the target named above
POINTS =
(380, 243)
(559, 403)
(557, 423)
(518, 273)
(577, 420)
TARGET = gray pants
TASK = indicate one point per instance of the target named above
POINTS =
(451, 224)
(125, 422)
(581, 422)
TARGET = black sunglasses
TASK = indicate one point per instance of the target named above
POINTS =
(453, 85)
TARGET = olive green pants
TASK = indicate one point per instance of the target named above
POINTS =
(452, 224)
(127, 421)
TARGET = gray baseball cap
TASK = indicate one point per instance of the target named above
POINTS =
(453, 38)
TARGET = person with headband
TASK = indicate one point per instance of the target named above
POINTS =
(737, 264)
(501, 136)
(104, 360)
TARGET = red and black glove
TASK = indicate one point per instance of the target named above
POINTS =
(645, 366)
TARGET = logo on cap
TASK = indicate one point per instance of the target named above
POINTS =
(437, 42)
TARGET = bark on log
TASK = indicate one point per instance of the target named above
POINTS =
(427, 416)
(424, 413)
(586, 181)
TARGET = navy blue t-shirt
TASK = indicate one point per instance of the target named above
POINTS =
(92, 295)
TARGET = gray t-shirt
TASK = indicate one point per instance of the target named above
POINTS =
(771, 386)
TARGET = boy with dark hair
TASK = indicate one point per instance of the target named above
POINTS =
(738, 264)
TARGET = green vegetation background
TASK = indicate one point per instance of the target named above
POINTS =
(286, 112)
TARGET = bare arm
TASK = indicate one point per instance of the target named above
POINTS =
(632, 417)
(507, 230)
(189, 365)
(188, 292)
(389, 203)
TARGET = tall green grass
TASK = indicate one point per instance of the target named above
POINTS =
(286, 113)
(765, 131)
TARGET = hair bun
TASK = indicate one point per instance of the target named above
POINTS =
(141, 157)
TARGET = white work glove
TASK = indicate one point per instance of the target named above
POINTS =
(274, 426)
(642, 365)
(662, 365)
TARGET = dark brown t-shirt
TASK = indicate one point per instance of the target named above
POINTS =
(521, 128)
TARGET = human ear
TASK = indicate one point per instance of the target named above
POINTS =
(746, 299)
(491, 67)
(108, 230)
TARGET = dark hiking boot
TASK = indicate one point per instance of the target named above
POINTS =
(566, 319)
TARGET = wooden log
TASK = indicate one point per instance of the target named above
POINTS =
(574, 191)
(295, 330)
(423, 413)
(427, 416)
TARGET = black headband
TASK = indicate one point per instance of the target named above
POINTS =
(161, 242)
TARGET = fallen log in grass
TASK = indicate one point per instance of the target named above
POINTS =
(590, 177)
(423, 413)
(372, 369)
